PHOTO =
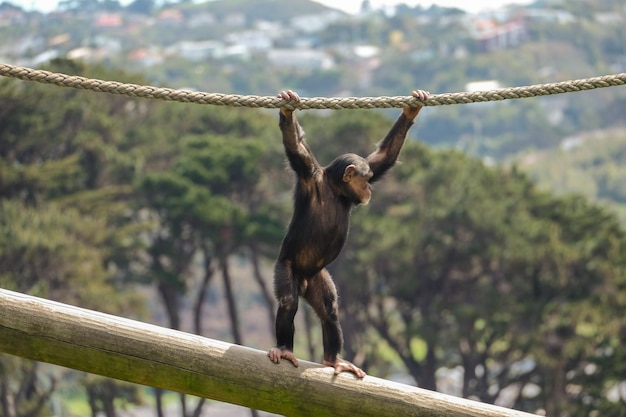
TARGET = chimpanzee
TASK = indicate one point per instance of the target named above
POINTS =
(324, 198)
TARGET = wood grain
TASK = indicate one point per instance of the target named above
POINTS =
(129, 350)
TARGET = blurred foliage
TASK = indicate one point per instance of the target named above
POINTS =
(459, 266)
(433, 48)
(587, 164)
(455, 268)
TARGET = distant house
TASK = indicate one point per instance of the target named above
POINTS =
(101, 47)
(201, 20)
(364, 61)
(254, 40)
(315, 22)
(84, 53)
(548, 15)
(492, 35)
(59, 39)
(306, 59)
(10, 17)
(484, 85)
(108, 20)
(198, 51)
(609, 18)
(236, 20)
(171, 17)
(146, 56)
(26, 46)
(44, 57)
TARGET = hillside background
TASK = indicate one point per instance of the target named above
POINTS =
(238, 47)
(490, 265)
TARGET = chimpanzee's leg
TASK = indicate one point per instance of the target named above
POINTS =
(321, 294)
(286, 291)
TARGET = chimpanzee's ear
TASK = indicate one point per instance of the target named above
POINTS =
(349, 173)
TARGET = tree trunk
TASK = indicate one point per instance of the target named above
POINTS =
(232, 308)
(230, 300)
(183, 404)
(469, 370)
(204, 285)
(158, 397)
(197, 317)
(557, 396)
(108, 397)
(198, 410)
(91, 399)
(350, 321)
(412, 366)
(429, 381)
(267, 295)
(430, 335)
(169, 295)
(8, 406)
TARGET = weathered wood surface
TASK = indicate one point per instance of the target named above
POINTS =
(133, 351)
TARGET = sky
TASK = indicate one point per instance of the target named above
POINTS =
(350, 6)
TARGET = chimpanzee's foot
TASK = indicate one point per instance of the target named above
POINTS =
(342, 365)
(278, 353)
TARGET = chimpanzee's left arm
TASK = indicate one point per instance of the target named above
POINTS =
(386, 154)
(300, 156)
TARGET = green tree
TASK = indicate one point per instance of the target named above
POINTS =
(211, 200)
(30, 397)
(459, 266)
(65, 229)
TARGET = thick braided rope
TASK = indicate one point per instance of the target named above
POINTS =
(168, 94)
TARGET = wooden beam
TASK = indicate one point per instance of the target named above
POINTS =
(133, 351)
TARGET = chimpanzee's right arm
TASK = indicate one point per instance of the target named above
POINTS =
(298, 152)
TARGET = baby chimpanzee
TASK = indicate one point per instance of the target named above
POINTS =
(324, 198)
